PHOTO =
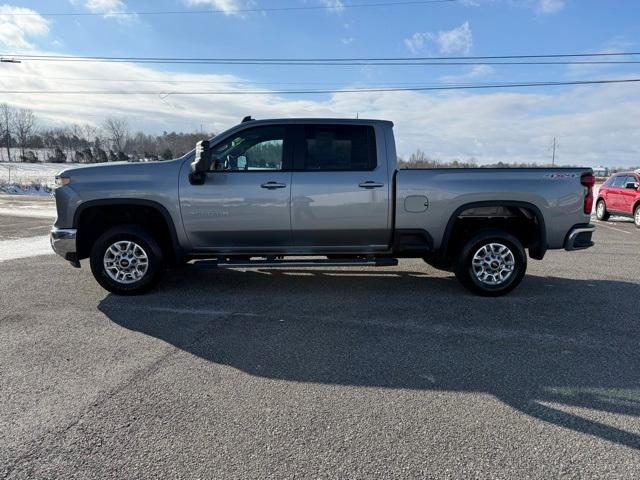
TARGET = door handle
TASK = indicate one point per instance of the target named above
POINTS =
(371, 184)
(273, 185)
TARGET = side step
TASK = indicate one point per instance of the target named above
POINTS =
(296, 263)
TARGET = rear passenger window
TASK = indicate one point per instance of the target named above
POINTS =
(340, 147)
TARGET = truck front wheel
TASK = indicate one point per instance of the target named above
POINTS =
(491, 264)
(126, 260)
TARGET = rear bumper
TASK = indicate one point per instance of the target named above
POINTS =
(579, 237)
(63, 242)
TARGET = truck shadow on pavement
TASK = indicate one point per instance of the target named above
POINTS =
(552, 347)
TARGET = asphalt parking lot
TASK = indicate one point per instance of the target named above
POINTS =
(342, 373)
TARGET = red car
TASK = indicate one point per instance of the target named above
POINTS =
(620, 195)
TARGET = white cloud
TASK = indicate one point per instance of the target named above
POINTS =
(105, 6)
(541, 7)
(458, 40)
(477, 71)
(347, 40)
(229, 7)
(110, 8)
(591, 122)
(335, 6)
(614, 45)
(16, 29)
(550, 6)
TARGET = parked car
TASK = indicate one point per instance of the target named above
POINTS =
(620, 195)
(281, 193)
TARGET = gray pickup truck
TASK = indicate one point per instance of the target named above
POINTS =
(315, 193)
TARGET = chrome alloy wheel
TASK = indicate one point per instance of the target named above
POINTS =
(600, 210)
(493, 264)
(637, 217)
(125, 262)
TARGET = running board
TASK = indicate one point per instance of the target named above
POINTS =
(273, 263)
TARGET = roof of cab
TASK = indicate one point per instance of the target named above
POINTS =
(345, 121)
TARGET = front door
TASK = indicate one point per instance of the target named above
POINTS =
(628, 195)
(244, 203)
(615, 200)
(340, 197)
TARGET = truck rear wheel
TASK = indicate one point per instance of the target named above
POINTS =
(491, 264)
(126, 260)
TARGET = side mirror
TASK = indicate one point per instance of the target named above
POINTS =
(632, 185)
(201, 163)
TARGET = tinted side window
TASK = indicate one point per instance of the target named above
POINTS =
(609, 182)
(618, 182)
(260, 148)
(339, 147)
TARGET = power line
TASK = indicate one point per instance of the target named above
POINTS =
(400, 61)
(399, 3)
(321, 91)
(209, 82)
(335, 59)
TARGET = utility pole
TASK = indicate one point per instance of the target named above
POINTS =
(8, 118)
(553, 158)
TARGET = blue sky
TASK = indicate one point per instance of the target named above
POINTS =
(594, 125)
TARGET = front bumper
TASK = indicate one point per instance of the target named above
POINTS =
(579, 237)
(63, 242)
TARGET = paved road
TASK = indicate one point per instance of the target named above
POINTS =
(353, 373)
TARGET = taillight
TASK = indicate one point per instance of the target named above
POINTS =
(588, 180)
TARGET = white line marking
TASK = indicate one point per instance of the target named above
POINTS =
(24, 247)
(600, 224)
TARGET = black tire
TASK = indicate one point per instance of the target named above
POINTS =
(636, 216)
(601, 211)
(149, 247)
(465, 270)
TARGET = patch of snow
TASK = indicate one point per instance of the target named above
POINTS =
(27, 212)
(31, 174)
(29, 189)
(24, 247)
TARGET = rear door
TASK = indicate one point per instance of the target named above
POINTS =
(340, 198)
(245, 200)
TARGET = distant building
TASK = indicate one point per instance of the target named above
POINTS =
(601, 171)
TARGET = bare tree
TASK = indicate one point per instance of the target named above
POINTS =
(6, 120)
(118, 131)
(24, 126)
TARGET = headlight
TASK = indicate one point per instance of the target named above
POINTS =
(62, 181)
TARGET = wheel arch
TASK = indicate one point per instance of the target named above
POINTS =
(171, 245)
(537, 249)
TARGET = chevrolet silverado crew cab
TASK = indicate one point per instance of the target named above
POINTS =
(314, 193)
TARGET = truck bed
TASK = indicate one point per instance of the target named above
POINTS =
(430, 198)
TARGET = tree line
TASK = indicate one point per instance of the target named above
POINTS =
(420, 159)
(23, 139)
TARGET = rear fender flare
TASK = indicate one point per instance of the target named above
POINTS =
(537, 252)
